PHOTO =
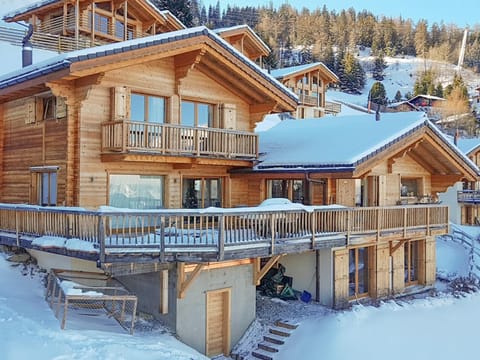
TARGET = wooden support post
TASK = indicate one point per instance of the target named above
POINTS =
(65, 19)
(162, 240)
(77, 22)
(378, 223)
(92, 40)
(101, 237)
(397, 246)
(256, 269)
(125, 20)
(428, 222)
(17, 227)
(134, 312)
(64, 318)
(272, 231)
(313, 218)
(221, 238)
(164, 292)
(404, 222)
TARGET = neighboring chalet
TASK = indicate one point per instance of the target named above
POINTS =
(310, 83)
(65, 25)
(358, 161)
(245, 40)
(463, 198)
(162, 127)
(429, 104)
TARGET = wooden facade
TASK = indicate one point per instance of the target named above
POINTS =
(166, 125)
(76, 24)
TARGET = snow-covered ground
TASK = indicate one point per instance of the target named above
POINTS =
(29, 329)
(434, 325)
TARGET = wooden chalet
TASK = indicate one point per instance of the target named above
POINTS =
(65, 25)
(245, 40)
(138, 159)
(364, 164)
(464, 197)
(310, 83)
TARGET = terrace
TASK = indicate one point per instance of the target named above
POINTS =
(208, 235)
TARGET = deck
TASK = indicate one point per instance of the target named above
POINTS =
(208, 235)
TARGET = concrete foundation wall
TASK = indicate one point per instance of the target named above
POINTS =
(191, 310)
(301, 267)
(48, 261)
(148, 289)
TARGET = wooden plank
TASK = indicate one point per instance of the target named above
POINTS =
(186, 282)
(164, 292)
(218, 322)
(340, 278)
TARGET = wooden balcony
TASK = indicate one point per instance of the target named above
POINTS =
(330, 107)
(167, 139)
(209, 235)
(469, 196)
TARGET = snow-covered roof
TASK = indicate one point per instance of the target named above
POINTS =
(291, 70)
(63, 61)
(468, 145)
(30, 7)
(246, 27)
(337, 143)
(431, 97)
(406, 102)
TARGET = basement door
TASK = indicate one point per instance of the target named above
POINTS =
(217, 334)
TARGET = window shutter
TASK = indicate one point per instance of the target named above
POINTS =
(228, 114)
(30, 110)
(60, 108)
(120, 103)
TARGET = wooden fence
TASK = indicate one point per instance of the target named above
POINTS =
(216, 230)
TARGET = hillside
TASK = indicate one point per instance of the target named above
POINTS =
(400, 75)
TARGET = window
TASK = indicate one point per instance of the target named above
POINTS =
(136, 191)
(409, 187)
(197, 114)
(358, 272)
(411, 262)
(44, 185)
(147, 108)
(202, 193)
(294, 190)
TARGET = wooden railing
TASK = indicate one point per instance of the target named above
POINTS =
(332, 108)
(168, 139)
(216, 230)
(469, 196)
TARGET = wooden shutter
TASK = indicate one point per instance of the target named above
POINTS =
(228, 114)
(120, 103)
(60, 108)
(30, 110)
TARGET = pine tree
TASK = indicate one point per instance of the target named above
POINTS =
(379, 67)
(351, 74)
(377, 94)
(398, 96)
(182, 9)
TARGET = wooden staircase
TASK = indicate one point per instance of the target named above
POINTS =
(275, 338)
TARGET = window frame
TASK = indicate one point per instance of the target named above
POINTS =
(37, 193)
(212, 119)
(162, 177)
(203, 191)
(411, 262)
(356, 294)
(146, 107)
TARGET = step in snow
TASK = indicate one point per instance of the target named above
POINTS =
(286, 324)
(262, 354)
(267, 346)
(274, 339)
(279, 331)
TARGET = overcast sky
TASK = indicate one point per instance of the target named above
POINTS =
(460, 12)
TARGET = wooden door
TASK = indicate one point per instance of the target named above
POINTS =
(217, 335)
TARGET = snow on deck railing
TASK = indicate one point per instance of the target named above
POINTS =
(217, 230)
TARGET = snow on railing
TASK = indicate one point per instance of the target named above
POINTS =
(213, 229)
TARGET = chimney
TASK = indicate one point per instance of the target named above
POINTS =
(455, 137)
(27, 47)
(377, 113)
